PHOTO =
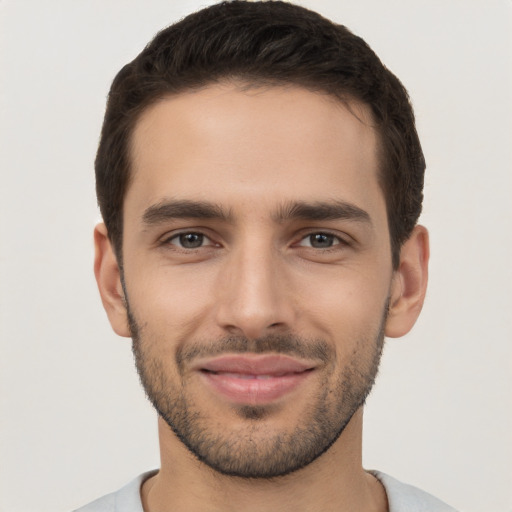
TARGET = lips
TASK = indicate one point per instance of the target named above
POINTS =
(254, 379)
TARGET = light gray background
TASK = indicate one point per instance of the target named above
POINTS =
(75, 424)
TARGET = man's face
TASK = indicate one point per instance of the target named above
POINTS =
(257, 271)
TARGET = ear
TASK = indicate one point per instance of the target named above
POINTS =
(108, 278)
(409, 284)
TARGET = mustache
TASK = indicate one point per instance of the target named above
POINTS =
(315, 349)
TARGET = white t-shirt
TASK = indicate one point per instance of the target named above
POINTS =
(401, 497)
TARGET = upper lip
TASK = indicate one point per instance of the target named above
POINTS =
(266, 364)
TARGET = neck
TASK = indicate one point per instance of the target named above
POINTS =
(335, 481)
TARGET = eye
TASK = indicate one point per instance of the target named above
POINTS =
(190, 240)
(320, 240)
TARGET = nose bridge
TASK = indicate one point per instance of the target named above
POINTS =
(253, 300)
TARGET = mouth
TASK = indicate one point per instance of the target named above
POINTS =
(254, 379)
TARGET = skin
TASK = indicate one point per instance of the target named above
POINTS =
(253, 152)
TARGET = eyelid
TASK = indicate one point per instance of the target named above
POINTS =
(340, 240)
(168, 238)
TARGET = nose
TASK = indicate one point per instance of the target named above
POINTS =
(255, 293)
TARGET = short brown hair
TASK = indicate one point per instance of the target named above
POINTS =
(268, 43)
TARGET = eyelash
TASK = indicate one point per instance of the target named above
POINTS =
(337, 240)
(177, 236)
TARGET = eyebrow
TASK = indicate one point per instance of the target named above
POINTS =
(322, 210)
(295, 210)
(183, 209)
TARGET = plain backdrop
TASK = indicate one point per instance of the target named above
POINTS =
(74, 422)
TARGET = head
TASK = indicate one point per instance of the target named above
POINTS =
(264, 43)
(260, 179)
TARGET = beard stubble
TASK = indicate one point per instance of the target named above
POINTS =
(257, 450)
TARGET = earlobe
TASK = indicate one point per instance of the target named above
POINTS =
(108, 278)
(409, 284)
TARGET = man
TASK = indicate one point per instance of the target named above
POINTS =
(260, 180)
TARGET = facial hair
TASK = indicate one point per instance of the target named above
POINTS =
(258, 450)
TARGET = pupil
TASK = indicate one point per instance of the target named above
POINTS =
(321, 240)
(191, 240)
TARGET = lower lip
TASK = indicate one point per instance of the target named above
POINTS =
(254, 391)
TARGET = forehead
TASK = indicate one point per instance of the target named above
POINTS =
(230, 144)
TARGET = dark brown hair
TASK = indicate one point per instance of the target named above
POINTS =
(263, 43)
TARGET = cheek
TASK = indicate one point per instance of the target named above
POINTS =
(170, 300)
(347, 304)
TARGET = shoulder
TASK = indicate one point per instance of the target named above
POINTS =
(126, 499)
(407, 498)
